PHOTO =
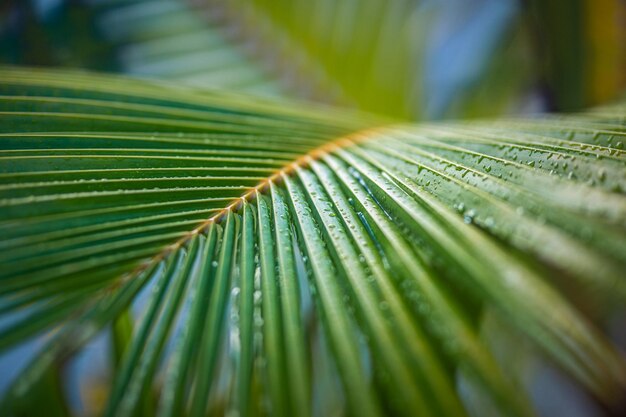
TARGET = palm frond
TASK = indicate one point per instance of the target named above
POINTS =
(171, 40)
(273, 246)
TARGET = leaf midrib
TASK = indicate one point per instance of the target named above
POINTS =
(261, 188)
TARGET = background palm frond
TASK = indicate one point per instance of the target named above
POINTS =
(411, 59)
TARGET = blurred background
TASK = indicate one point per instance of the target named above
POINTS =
(410, 59)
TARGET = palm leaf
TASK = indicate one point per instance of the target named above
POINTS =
(276, 250)
(173, 41)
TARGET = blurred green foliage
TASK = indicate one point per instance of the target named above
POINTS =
(64, 34)
(410, 59)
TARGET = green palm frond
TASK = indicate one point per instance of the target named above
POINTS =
(171, 40)
(336, 48)
(278, 250)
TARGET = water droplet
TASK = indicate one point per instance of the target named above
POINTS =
(469, 216)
